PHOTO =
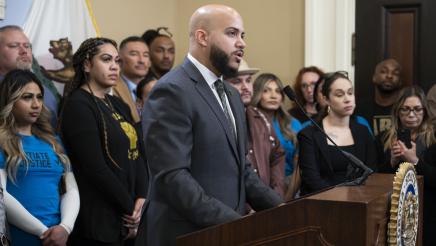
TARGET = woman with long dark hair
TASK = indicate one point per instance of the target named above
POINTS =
(41, 195)
(104, 147)
(322, 165)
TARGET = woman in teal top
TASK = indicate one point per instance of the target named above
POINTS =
(287, 144)
(33, 166)
(268, 97)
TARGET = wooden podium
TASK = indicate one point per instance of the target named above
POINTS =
(356, 215)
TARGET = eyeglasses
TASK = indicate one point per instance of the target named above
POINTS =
(165, 30)
(415, 110)
(308, 85)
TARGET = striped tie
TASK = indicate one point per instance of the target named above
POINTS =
(219, 85)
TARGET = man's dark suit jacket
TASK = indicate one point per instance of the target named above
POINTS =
(314, 157)
(201, 177)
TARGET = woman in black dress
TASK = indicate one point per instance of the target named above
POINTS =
(322, 165)
(104, 148)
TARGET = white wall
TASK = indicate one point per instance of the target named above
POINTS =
(329, 25)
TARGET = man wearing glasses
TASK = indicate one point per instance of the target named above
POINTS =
(16, 53)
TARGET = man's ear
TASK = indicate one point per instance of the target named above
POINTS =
(202, 37)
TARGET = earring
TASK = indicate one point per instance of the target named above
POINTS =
(328, 109)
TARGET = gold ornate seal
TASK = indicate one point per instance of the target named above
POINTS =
(403, 223)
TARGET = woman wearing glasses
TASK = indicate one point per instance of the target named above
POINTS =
(304, 89)
(411, 132)
(322, 165)
(410, 115)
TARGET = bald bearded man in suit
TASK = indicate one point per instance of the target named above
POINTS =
(195, 136)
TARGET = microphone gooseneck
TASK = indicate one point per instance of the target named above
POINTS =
(353, 159)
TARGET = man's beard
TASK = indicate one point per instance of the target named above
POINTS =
(23, 65)
(387, 90)
(220, 61)
(161, 69)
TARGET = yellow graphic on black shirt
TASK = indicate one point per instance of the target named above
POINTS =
(130, 132)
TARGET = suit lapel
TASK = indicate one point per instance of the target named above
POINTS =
(206, 93)
(239, 122)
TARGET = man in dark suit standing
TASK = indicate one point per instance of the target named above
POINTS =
(195, 136)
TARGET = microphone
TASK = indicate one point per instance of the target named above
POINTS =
(355, 162)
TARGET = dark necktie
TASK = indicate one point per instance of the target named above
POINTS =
(219, 85)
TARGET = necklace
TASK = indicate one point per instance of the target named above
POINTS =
(127, 128)
(114, 113)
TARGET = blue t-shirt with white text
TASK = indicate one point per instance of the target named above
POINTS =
(36, 186)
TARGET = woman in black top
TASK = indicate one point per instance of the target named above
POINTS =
(321, 164)
(104, 149)
(410, 112)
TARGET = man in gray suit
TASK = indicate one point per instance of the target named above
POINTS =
(195, 136)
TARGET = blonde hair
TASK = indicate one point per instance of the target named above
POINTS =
(425, 130)
(11, 90)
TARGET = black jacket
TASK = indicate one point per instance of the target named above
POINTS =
(314, 157)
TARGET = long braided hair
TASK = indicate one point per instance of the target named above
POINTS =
(87, 50)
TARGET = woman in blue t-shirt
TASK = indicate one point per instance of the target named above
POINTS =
(268, 97)
(41, 198)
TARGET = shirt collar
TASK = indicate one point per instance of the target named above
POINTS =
(208, 75)
(131, 85)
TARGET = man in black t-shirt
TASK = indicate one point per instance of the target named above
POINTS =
(387, 84)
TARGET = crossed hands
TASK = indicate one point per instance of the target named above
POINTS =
(399, 152)
(54, 236)
(131, 222)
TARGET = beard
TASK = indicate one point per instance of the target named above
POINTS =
(220, 61)
(387, 89)
(24, 64)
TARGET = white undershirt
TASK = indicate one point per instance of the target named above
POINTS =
(210, 78)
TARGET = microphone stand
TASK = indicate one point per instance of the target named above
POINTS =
(355, 162)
